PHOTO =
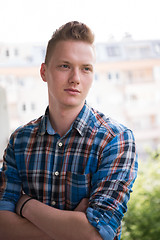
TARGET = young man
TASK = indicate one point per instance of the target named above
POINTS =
(74, 166)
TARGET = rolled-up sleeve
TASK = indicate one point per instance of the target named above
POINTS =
(10, 186)
(112, 185)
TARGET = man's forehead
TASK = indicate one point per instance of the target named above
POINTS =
(71, 43)
(79, 50)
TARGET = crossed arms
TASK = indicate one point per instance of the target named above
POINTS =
(43, 222)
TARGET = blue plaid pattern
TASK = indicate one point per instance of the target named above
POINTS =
(96, 159)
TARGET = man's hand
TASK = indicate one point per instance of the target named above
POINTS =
(56, 223)
(82, 206)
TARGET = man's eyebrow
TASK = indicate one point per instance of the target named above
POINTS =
(88, 65)
(83, 64)
(64, 61)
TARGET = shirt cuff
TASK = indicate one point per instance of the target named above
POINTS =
(104, 229)
(7, 206)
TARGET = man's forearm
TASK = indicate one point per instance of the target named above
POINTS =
(13, 227)
(59, 224)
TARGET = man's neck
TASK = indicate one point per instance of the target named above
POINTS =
(62, 119)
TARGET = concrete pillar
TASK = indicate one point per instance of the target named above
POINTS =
(4, 122)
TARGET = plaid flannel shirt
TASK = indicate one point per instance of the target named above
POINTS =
(95, 159)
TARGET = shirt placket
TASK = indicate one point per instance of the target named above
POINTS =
(56, 173)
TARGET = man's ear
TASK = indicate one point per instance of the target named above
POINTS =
(43, 72)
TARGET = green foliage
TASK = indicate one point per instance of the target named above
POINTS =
(142, 220)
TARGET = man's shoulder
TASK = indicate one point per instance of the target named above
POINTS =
(107, 124)
(34, 126)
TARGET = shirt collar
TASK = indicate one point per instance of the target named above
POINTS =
(80, 124)
(50, 129)
(43, 123)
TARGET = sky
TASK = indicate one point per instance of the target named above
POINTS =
(36, 20)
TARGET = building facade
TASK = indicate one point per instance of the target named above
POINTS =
(127, 87)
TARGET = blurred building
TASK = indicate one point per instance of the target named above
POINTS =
(126, 85)
(20, 82)
(20, 78)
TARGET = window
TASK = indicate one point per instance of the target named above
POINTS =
(24, 107)
(113, 51)
(109, 76)
(96, 76)
(117, 75)
(114, 76)
(7, 53)
(130, 76)
(133, 97)
(157, 48)
(145, 51)
(16, 53)
(33, 106)
(153, 119)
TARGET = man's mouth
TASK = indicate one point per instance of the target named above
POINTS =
(72, 90)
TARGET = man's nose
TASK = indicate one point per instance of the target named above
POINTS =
(74, 76)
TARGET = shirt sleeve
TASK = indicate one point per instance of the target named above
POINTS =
(112, 185)
(10, 187)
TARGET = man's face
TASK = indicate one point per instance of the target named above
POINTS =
(69, 73)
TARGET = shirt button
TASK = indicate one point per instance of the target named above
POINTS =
(97, 220)
(53, 203)
(56, 173)
(60, 144)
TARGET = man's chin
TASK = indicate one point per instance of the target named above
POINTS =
(73, 105)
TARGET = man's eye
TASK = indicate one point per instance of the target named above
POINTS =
(64, 66)
(87, 69)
